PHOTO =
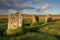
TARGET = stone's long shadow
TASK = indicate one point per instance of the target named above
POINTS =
(33, 29)
(55, 20)
(3, 26)
(52, 22)
(58, 37)
(29, 28)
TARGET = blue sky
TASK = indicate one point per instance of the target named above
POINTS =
(30, 6)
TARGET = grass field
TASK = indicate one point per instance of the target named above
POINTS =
(37, 31)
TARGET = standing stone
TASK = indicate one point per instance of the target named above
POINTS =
(35, 18)
(15, 21)
(48, 18)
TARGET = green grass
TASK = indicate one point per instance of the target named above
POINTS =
(52, 28)
(37, 31)
(29, 36)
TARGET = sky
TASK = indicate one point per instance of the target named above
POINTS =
(30, 6)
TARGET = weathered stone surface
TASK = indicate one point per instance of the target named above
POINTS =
(15, 21)
(48, 18)
(35, 18)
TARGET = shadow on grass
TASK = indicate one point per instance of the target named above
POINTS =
(40, 25)
(55, 20)
(58, 37)
(30, 29)
(3, 26)
(2, 29)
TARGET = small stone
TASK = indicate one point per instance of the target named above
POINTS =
(48, 18)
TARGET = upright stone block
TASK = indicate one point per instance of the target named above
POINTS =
(48, 18)
(35, 18)
(15, 21)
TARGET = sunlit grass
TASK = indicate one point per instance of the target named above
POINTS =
(33, 31)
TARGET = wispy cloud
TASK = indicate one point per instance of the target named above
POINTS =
(46, 6)
(43, 8)
(23, 6)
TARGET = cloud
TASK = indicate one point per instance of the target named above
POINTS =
(22, 7)
(36, 1)
(3, 1)
(6, 4)
(12, 1)
(46, 6)
(18, 5)
(43, 8)
(3, 11)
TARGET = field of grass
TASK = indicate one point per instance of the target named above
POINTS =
(36, 31)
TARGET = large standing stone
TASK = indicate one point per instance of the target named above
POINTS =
(35, 18)
(15, 21)
(48, 18)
